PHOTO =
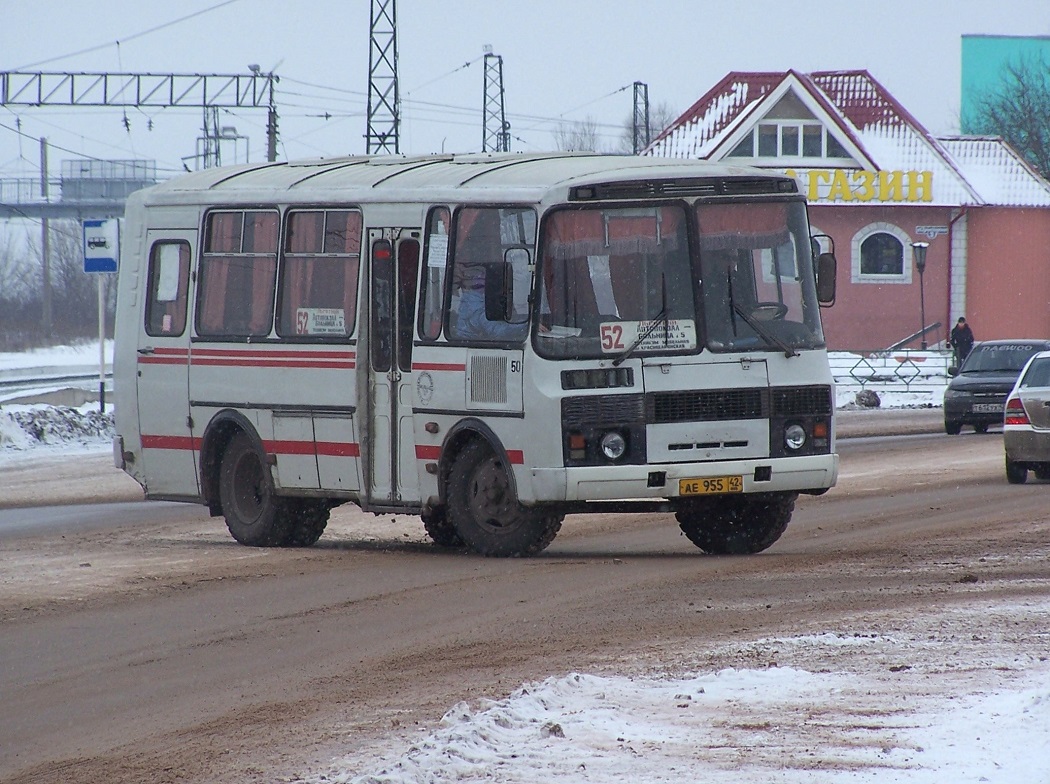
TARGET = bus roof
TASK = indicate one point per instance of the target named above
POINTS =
(492, 176)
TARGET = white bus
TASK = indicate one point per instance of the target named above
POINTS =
(490, 342)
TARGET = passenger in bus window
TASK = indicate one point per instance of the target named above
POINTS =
(478, 250)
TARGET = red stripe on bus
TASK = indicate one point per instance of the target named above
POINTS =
(336, 449)
(439, 366)
(235, 352)
(169, 360)
(170, 442)
(326, 448)
(425, 452)
(263, 361)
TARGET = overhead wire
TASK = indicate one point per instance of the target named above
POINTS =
(127, 38)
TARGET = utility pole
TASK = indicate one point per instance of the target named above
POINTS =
(640, 125)
(384, 99)
(45, 242)
(495, 128)
(271, 126)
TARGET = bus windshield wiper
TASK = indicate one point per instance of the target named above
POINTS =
(768, 336)
(661, 316)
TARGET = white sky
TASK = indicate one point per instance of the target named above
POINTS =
(564, 61)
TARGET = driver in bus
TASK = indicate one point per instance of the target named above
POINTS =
(479, 251)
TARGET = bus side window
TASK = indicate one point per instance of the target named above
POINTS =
(238, 271)
(432, 276)
(319, 273)
(169, 267)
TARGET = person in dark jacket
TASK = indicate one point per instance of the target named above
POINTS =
(961, 339)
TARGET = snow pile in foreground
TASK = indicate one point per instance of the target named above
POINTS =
(24, 427)
(779, 724)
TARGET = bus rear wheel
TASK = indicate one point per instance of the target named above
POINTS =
(485, 511)
(308, 521)
(254, 514)
(738, 525)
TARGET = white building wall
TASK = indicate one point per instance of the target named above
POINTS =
(959, 249)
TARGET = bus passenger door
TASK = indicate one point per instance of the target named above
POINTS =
(163, 367)
(393, 277)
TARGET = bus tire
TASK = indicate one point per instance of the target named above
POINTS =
(737, 526)
(254, 514)
(485, 511)
(440, 529)
(308, 521)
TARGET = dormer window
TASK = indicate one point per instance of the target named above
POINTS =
(789, 139)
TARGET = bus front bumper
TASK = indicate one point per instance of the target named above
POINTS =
(614, 483)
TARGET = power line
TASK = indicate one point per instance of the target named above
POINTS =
(129, 37)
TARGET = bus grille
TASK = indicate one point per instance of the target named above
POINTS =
(602, 409)
(801, 401)
(712, 405)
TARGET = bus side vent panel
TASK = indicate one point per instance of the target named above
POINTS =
(488, 379)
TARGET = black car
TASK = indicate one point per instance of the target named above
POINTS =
(978, 391)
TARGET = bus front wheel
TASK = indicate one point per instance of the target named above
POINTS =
(254, 514)
(485, 511)
(736, 525)
(440, 529)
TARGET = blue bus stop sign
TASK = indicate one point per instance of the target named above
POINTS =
(101, 245)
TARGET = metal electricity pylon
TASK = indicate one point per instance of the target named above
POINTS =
(495, 128)
(204, 91)
(384, 98)
(640, 126)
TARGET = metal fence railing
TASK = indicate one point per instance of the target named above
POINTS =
(898, 377)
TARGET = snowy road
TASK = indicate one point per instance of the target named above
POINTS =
(896, 633)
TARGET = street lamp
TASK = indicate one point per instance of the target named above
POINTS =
(919, 249)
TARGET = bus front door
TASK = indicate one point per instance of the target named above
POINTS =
(162, 365)
(393, 277)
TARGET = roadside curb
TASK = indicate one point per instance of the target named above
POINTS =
(861, 423)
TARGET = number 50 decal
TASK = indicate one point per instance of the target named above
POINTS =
(612, 337)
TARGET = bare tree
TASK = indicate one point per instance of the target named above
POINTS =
(1019, 111)
(660, 116)
(582, 136)
(74, 293)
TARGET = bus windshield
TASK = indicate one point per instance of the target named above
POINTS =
(756, 269)
(616, 279)
(621, 281)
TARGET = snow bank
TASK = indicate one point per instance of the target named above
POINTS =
(25, 427)
(778, 724)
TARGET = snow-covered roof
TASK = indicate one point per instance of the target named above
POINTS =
(878, 131)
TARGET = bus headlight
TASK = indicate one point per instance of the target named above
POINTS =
(613, 445)
(794, 437)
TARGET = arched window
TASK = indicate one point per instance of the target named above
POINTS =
(879, 254)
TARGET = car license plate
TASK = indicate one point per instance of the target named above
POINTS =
(712, 485)
(987, 408)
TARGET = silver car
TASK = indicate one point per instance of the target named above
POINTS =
(1026, 422)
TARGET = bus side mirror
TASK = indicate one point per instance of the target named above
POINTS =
(827, 269)
(497, 282)
(500, 285)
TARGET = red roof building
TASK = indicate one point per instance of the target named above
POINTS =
(878, 182)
